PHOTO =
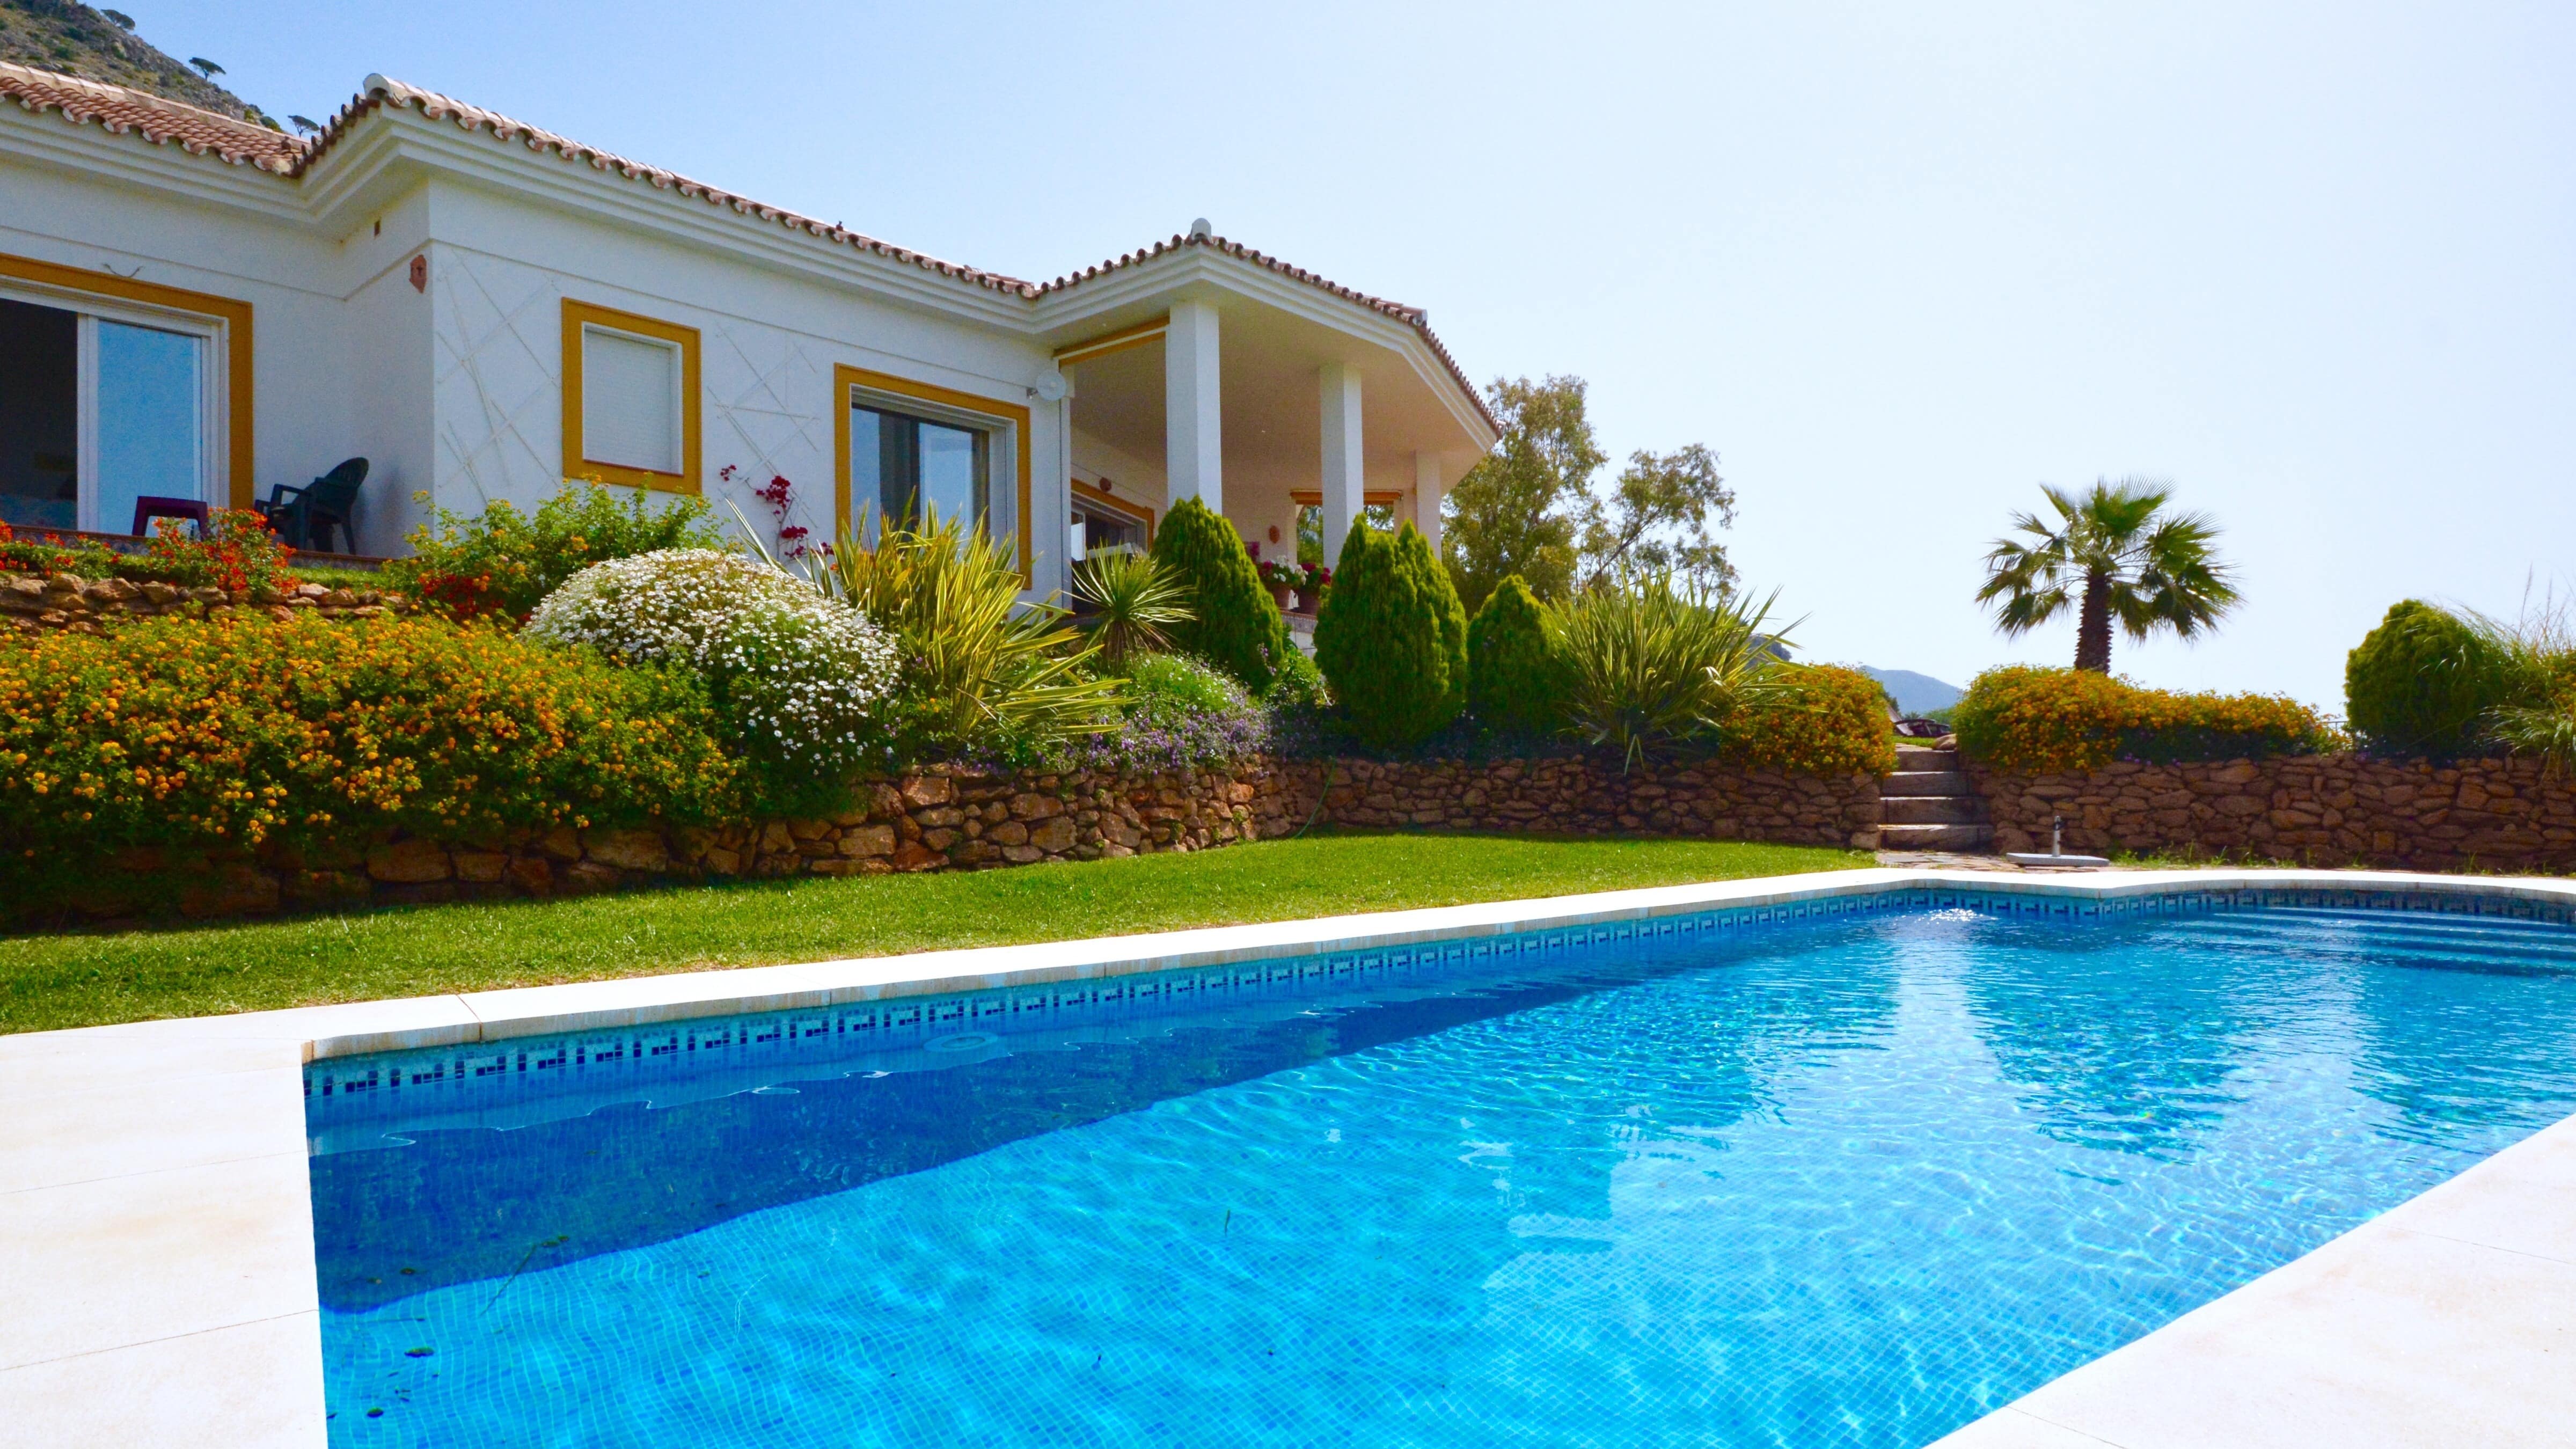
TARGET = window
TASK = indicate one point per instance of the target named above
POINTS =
(1103, 526)
(98, 410)
(907, 448)
(907, 469)
(630, 399)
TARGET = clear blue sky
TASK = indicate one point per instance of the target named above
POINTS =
(2316, 264)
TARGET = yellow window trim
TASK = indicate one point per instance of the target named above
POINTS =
(577, 315)
(1108, 499)
(239, 458)
(1314, 497)
(1109, 342)
(845, 377)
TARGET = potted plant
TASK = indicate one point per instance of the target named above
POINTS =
(1281, 579)
(1312, 580)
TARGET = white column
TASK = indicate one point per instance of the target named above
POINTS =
(1193, 443)
(1345, 476)
(1426, 497)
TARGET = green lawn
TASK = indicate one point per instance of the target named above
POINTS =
(49, 982)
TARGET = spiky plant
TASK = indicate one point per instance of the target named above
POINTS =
(2115, 556)
(1133, 601)
(1651, 664)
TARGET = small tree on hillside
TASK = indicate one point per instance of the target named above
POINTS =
(2114, 555)
(1234, 623)
(1511, 513)
(1392, 639)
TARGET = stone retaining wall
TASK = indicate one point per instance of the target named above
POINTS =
(29, 603)
(963, 819)
(2318, 810)
(1586, 796)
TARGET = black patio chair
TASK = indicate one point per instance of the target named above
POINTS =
(304, 517)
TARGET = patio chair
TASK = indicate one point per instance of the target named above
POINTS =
(304, 517)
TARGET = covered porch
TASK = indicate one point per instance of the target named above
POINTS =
(1206, 370)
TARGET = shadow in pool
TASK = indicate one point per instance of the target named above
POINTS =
(456, 1206)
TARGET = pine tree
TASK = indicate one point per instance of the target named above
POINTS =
(1515, 665)
(1235, 624)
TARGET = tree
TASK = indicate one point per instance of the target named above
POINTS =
(1392, 638)
(2134, 564)
(1658, 520)
(1514, 511)
(1234, 623)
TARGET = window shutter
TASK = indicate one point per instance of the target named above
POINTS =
(630, 401)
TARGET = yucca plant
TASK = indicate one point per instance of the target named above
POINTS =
(979, 667)
(1133, 600)
(1651, 664)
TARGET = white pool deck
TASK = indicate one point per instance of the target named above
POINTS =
(156, 1234)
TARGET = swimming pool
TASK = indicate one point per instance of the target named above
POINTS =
(1854, 1177)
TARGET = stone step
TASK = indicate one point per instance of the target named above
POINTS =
(1936, 837)
(1933, 809)
(1918, 757)
(1926, 782)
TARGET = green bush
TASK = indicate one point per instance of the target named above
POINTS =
(502, 561)
(2423, 683)
(1235, 624)
(1516, 675)
(1392, 639)
(241, 729)
(2032, 720)
(1812, 720)
(1299, 684)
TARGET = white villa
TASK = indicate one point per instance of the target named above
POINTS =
(196, 306)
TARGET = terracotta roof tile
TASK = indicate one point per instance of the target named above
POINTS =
(165, 122)
(384, 91)
(1416, 317)
(158, 121)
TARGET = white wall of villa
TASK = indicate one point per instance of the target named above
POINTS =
(408, 290)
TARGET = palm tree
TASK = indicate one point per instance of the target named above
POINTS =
(2135, 563)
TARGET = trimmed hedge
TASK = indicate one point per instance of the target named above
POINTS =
(1823, 720)
(1235, 624)
(2031, 720)
(244, 730)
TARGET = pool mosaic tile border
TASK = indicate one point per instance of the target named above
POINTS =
(613, 1063)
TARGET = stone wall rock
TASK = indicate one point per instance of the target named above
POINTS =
(955, 818)
(31, 604)
(2318, 810)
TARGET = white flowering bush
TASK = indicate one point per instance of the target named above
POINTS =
(806, 680)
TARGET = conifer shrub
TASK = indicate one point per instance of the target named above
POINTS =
(2422, 683)
(1515, 662)
(1392, 639)
(1234, 622)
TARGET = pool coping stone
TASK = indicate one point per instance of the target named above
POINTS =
(213, 1335)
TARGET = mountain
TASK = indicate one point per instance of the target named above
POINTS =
(1915, 693)
(101, 45)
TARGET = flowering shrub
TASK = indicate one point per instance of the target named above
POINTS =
(2043, 721)
(1817, 720)
(55, 554)
(237, 551)
(245, 730)
(803, 679)
(502, 561)
(1181, 714)
(1277, 575)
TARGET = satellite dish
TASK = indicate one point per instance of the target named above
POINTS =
(1051, 387)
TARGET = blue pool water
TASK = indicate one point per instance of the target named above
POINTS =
(1852, 1182)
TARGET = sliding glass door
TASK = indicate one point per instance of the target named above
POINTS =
(96, 412)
